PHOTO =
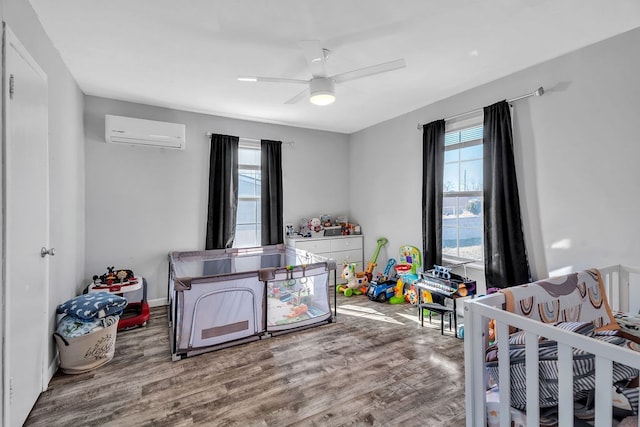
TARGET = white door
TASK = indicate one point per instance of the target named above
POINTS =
(26, 231)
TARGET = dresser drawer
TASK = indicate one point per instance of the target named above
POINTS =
(347, 257)
(314, 246)
(346, 244)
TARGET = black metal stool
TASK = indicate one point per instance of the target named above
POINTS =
(435, 308)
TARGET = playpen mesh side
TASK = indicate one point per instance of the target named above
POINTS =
(298, 297)
(218, 296)
(222, 311)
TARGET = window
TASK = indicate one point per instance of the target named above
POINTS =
(462, 217)
(248, 220)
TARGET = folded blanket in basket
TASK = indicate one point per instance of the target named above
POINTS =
(72, 327)
(92, 305)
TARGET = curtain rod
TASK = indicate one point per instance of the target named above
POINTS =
(537, 92)
(208, 134)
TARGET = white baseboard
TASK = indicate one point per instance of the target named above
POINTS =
(53, 368)
(158, 302)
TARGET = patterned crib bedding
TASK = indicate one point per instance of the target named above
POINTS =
(575, 297)
(575, 302)
(629, 323)
(583, 366)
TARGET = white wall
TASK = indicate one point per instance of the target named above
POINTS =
(576, 151)
(144, 202)
(66, 157)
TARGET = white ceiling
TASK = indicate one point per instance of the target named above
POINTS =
(187, 54)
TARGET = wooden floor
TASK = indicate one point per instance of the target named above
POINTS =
(374, 366)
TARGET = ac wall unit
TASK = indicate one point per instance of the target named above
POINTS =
(148, 133)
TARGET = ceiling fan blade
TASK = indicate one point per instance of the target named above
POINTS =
(271, 80)
(369, 71)
(299, 97)
(316, 57)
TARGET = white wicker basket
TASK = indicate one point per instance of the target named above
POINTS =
(87, 352)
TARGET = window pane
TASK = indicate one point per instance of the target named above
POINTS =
(462, 227)
(246, 236)
(248, 156)
(249, 183)
(451, 156)
(471, 175)
(247, 212)
(471, 153)
(450, 181)
(449, 207)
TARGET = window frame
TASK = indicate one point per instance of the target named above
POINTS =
(249, 145)
(451, 127)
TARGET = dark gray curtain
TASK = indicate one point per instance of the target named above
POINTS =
(505, 256)
(223, 192)
(432, 191)
(271, 196)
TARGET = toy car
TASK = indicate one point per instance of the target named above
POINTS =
(381, 292)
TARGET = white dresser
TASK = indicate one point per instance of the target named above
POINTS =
(343, 249)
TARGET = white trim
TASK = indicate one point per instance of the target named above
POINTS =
(457, 124)
(475, 265)
(251, 144)
(159, 302)
(53, 368)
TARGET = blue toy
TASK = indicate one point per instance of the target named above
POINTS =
(382, 288)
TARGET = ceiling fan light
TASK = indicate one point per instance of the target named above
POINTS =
(322, 98)
(322, 91)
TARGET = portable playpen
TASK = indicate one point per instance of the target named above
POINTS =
(621, 285)
(225, 297)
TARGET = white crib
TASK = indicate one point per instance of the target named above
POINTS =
(621, 283)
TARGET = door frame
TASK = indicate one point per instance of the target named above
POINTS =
(10, 39)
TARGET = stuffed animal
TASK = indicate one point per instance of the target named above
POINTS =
(304, 228)
(315, 225)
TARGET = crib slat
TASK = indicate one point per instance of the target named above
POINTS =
(533, 392)
(504, 372)
(475, 384)
(604, 379)
(565, 385)
(623, 282)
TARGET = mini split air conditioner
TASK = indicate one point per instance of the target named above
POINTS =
(148, 133)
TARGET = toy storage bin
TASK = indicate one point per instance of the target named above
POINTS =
(84, 353)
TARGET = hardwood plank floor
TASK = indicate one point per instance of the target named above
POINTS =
(374, 366)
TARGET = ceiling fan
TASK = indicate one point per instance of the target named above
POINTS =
(321, 88)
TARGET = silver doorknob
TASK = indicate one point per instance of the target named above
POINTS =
(44, 252)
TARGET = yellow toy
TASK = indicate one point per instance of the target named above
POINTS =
(398, 297)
